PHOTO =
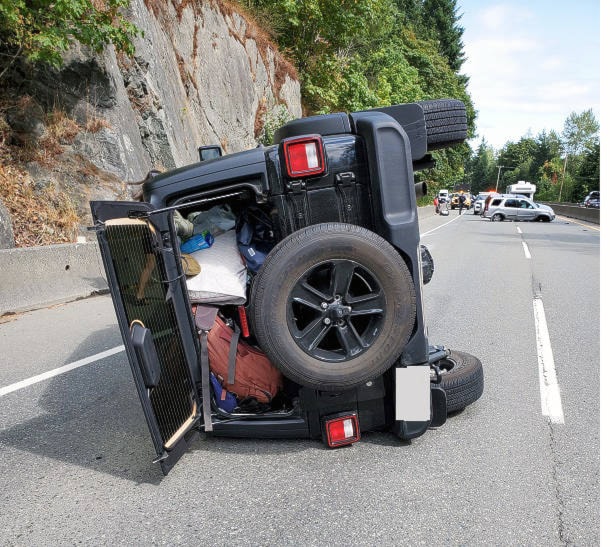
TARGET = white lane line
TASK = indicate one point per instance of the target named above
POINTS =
(439, 227)
(519, 230)
(526, 250)
(550, 397)
(56, 372)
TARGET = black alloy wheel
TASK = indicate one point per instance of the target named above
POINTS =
(333, 306)
(336, 310)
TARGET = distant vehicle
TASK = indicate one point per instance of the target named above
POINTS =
(455, 201)
(517, 208)
(592, 199)
(479, 203)
(443, 194)
(593, 203)
(522, 188)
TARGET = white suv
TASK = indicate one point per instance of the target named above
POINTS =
(479, 204)
(517, 208)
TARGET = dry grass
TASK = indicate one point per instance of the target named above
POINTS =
(39, 217)
(259, 119)
(95, 125)
(61, 128)
(41, 214)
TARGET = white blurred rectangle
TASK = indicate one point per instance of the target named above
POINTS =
(413, 394)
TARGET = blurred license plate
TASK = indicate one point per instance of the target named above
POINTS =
(413, 394)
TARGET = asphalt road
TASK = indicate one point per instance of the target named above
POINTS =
(77, 467)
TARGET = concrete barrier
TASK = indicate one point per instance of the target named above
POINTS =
(35, 277)
(574, 211)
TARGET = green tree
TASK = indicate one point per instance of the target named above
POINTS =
(481, 169)
(548, 179)
(442, 19)
(580, 132)
(41, 30)
(517, 160)
(412, 11)
(588, 175)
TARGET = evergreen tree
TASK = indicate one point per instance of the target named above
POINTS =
(481, 169)
(412, 10)
(442, 20)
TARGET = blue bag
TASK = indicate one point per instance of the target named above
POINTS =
(254, 237)
(225, 400)
(197, 242)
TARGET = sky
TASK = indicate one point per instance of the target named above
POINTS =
(531, 64)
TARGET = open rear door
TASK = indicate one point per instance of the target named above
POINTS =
(142, 263)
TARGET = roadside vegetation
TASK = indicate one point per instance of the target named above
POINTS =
(43, 211)
(564, 166)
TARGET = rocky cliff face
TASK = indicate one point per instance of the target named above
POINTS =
(202, 74)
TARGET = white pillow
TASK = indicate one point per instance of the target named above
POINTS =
(223, 275)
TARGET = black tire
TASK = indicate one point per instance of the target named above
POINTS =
(333, 306)
(461, 378)
(497, 217)
(446, 122)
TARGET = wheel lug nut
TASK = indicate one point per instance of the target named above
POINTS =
(324, 305)
(327, 321)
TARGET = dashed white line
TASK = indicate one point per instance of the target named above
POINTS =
(550, 396)
(519, 230)
(56, 372)
(526, 250)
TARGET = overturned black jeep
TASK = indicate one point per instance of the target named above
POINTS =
(336, 304)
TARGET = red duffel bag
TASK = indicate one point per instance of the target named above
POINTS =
(241, 368)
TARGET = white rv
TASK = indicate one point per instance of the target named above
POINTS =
(522, 188)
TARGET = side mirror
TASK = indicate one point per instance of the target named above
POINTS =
(209, 152)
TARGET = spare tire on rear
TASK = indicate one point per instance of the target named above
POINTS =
(333, 306)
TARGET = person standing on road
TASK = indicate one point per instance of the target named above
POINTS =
(436, 210)
(461, 200)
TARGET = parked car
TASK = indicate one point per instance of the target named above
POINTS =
(509, 207)
(327, 284)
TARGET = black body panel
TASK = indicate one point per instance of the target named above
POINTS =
(246, 170)
(341, 194)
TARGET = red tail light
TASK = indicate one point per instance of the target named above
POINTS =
(304, 156)
(341, 429)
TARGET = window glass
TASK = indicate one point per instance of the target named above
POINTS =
(496, 202)
(511, 203)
